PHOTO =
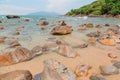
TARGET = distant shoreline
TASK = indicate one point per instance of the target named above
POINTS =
(100, 16)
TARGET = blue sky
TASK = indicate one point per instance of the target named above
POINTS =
(29, 6)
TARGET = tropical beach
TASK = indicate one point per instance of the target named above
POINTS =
(81, 44)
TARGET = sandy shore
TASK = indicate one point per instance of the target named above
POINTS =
(93, 55)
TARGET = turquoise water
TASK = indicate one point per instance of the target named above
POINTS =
(32, 35)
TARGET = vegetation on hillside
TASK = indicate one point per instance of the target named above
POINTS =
(98, 7)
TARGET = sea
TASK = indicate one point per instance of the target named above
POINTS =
(32, 34)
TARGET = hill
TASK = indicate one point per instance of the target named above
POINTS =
(98, 7)
(43, 13)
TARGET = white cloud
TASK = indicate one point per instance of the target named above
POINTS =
(12, 9)
(62, 6)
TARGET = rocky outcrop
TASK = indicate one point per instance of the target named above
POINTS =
(61, 30)
(17, 75)
(54, 70)
(20, 54)
(12, 16)
(67, 51)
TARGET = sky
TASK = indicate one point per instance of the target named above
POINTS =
(29, 6)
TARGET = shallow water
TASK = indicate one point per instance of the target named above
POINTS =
(32, 35)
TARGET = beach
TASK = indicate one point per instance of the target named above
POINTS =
(95, 54)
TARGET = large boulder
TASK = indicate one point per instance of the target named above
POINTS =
(54, 70)
(61, 30)
(17, 75)
(20, 54)
(12, 16)
(66, 51)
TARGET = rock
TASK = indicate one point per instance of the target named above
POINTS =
(2, 41)
(61, 30)
(118, 47)
(109, 70)
(107, 42)
(59, 42)
(37, 76)
(98, 26)
(12, 16)
(54, 70)
(107, 25)
(61, 23)
(66, 51)
(1, 28)
(96, 78)
(90, 25)
(82, 70)
(117, 41)
(21, 54)
(81, 28)
(14, 44)
(37, 50)
(3, 37)
(117, 65)
(92, 40)
(17, 75)
(43, 23)
(93, 34)
(112, 55)
(20, 27)
(11, 41)
(81, 46)
(16, 33)
(50, 46)
(0, 21)
(26, 19)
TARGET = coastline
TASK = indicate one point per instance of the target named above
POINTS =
(96, 16)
